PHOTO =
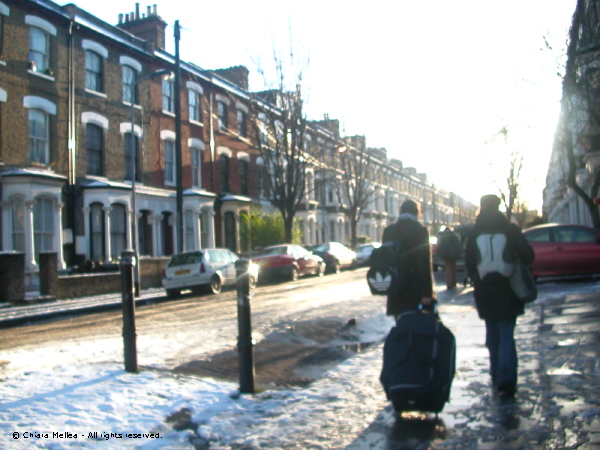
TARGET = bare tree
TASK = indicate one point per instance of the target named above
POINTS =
(509, 188)
(353, 181)
(280, 126)
(579, 123)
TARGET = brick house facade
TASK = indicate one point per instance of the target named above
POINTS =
(71, 155)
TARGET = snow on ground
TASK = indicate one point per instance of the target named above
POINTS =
(52, 393)
(77, 395)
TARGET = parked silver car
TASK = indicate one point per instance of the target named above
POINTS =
(207, 269)
(363, 252)
(336, 256)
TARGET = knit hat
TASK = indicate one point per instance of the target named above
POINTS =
(490, 202)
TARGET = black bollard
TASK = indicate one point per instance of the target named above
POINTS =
(245, 343)
(129, 332)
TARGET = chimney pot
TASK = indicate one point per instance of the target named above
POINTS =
(148, 11)
(155, 12)
(137, 11)
(120, 19)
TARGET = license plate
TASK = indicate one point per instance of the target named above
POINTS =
(182, 272)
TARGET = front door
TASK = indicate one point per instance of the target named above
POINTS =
(230, 241)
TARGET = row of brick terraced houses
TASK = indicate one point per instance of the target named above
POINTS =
(67, 85)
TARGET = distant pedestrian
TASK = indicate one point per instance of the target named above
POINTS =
(449, 249)
(418, 250)
(493, 236)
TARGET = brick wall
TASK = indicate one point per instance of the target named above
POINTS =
(82, 285)
(12, 277)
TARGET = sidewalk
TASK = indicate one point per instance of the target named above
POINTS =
(14, 315)
(557, 405)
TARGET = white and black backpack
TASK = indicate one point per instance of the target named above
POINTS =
(493, 254)
(389, 270)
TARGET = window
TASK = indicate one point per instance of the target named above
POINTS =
(205, 217)
(279, 133)
(264, 129)
(573, 235)
(129, 84)
(168, 97)
(189, 230)
(330, 195)
(242, 123)
(332, 151)
(17, 208)
(542, 235)
(224, 165)
(117, 230)
(260, 178)
(310, 185)
(222, 116)
(93, 146)
(38, 136)
(43, 225)
(39, 49)
(194, 106)
(169, 149)
(196, 157)
(131, 151)
(93, 71)
(244, 176)
(1, 33)
(96, 232)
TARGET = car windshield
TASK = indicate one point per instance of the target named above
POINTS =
(186, 258)
(321, 248)
(275, 251)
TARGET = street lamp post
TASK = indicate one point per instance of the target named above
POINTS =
(132, 147)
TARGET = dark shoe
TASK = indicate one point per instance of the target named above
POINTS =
(507, 391)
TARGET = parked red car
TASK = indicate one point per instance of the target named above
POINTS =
(288, 261)
(564, 249)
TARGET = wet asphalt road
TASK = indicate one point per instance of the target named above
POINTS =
(558, 402)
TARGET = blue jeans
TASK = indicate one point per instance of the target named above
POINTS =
(500, 342)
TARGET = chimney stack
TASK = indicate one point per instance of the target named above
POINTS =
(150, 28)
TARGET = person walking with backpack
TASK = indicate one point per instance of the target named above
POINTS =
(418, 254)
(491, 248)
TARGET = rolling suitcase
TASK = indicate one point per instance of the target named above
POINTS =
(419, 358)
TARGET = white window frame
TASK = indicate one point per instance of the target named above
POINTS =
(196, 92)
(169, 157)
(39, 142)
(43, 225)
(17, 223)
(47, 30)
(170, 173)
(168, 95)
(196, 147)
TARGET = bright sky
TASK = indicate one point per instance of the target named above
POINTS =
(429, 81)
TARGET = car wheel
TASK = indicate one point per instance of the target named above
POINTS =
(253, 282)
(294, 273)
(173, 293)
(354, 264)
(321, 269)
(215, 285)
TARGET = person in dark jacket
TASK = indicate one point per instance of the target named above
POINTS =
(417, 245)
(449, 249)
(496, 303)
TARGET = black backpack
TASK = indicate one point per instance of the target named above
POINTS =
(389, 271)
